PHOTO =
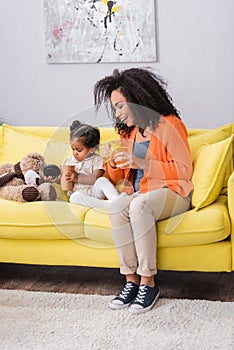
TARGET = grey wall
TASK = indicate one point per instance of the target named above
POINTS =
(195, 55)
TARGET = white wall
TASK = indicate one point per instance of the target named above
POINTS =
(195, 55)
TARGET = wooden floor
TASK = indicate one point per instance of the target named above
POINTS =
(86, 280)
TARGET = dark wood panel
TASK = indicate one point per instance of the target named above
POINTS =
(202, 285)
(13, 276)
(226, 287)
(172, 283)
(87, 280)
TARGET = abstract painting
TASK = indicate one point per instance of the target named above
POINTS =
(99, 31)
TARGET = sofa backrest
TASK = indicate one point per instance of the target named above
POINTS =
(211, 151)
(58, 133)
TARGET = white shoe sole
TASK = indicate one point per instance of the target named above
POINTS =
(118, 306)
(142, 310)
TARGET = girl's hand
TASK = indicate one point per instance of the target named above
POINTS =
(105, 151)
(71, 176)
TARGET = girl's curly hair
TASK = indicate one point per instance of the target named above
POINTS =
(145, 93)
(89, 135)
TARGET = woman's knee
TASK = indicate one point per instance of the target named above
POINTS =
(137, 206)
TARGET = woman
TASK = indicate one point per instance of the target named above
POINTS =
(159, 167)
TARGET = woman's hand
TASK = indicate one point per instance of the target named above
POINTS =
(124, 160)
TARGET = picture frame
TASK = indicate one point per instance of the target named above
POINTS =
(84, 31)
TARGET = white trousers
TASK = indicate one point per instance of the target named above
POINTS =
(102, 189)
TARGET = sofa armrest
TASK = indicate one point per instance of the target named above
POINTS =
(231, 203)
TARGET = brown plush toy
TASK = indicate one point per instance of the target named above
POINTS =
(23, 181)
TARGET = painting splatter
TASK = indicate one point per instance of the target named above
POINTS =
(98, 31)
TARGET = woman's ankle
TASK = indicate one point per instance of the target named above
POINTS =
(148, 280)
(133, 278)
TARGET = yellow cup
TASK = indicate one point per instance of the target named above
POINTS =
(119, 149)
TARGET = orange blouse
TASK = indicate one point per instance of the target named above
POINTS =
(170, 164)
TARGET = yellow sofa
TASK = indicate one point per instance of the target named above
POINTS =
(60, 233)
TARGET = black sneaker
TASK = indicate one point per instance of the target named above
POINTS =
(125, 297)
(145, 300)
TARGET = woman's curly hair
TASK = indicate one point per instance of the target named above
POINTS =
(145, 93)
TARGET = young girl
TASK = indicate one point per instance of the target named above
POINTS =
(89, 185)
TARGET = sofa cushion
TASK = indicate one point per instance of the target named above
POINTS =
(52, 142)
(41, 220)
(208, 225)
(197, 132)
(15, 144)
(60, 133)
(210, 166)
(198, 139)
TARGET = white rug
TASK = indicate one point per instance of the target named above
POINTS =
(35, 320)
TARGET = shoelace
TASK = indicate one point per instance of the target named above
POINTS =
(126, 290)
(141, 294)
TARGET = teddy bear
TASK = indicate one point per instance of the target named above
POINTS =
(24, 181)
